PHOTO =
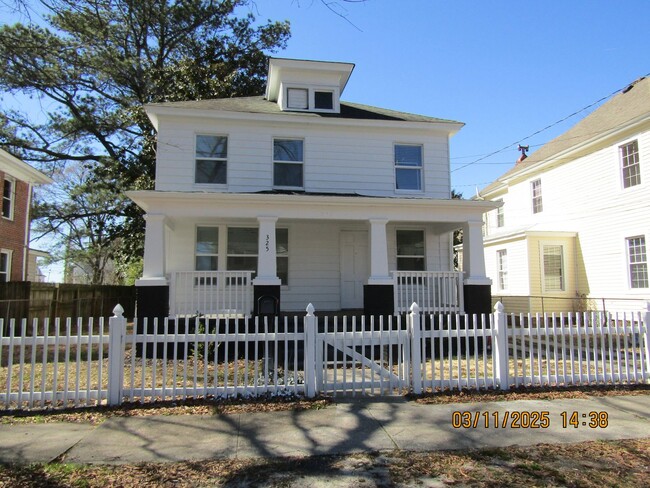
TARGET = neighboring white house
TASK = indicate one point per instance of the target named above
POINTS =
(575, 220)
(296, 197)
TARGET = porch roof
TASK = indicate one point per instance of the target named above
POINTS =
(309, 206)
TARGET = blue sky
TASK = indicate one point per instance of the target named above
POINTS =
(505, 68)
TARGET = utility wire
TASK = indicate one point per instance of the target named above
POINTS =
(545, 128)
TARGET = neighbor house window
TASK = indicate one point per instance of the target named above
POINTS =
(211, 159)
(536, 193)
(502, 268)
(553, 267)
(288, 158)
(5, 266)
(323, 100)
(500, 216)
(408, 167)
(630, 166)
(298, 98)
(637, 262)
(8, 196)
(410, 250)
(206, 253)
(242, 249)
(282, 254)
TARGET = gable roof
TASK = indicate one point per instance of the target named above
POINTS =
(259, 105)
(630, 106)
(21, 170)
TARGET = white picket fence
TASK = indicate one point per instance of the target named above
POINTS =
(66, 363)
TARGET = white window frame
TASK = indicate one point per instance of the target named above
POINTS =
(11, 198)
(284, 255)
(216, 159)
(300, 90)
(630, 162)
(422, 256)
(5, 274)
(283, 162)
(502, 269)
(640, 260)
(501, 221)
(311, 98)
(402, 167)
(563, 277)
(537, 204)
(203, 254)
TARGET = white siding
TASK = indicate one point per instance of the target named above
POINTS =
(337, 160)
(586, 196)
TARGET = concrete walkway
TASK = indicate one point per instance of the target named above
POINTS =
(346, 426)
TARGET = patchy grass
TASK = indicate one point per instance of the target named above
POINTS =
(590, 464)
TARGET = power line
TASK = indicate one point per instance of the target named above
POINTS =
(544, 129)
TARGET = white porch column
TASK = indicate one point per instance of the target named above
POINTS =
(267, 271)
(379, 274)
(473, 254)
(153, 272)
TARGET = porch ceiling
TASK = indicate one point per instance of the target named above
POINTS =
(309, 207)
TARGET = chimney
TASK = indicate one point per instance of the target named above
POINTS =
(523, 156)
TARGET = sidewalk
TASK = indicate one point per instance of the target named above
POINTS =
(347, 426)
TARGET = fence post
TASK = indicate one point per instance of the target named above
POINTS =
(310, 353)
(646, 339)
(500, 346)
(116, 333)
(415, 331)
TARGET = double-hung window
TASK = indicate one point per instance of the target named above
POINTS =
(288, 160)
(5, 266)
(207, 249)
(211, 159)
(502, 268)
(8, 198)
(500, 215)
(242, 249)
(630, 165)
(410, 250)
(282, 254)
(536, 194)
(637, 258)
(408, 167)
(553, 267)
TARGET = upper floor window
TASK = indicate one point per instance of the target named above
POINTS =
(630, 166)
(324, 100)
(5, 266)
(500, 215)
(637, 262)
(502, 268)
(211, 159)
(8, 197)
(553, 267)
(410, 250)
(298, 98)
(288, 158)
(536, 193)
(408, 167)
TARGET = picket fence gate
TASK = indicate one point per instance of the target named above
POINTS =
(80, 363)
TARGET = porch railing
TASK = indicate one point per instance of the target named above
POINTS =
(217, 293)
(434, 291)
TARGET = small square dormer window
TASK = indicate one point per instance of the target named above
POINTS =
(324, 100)
(298, 98)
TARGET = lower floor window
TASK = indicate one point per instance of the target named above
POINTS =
(410, 250)
(5, 267)
(502, 267)
(637, 262)
(553, 268)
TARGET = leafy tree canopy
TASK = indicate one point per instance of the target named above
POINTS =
(94, 63)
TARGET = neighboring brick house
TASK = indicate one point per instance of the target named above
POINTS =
(17, 179)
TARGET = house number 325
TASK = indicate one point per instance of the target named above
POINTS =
(268, 239)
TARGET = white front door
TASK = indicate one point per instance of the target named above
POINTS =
(354, 267)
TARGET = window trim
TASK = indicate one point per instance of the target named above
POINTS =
(301, 163)
(641, 263)
(500, 213)
(6, 273)
(311, 98)
(423, 256)
(622, 168)
(419, 168)
(536, 197)
(300, 89)
(219, 241)
(11, 199)
(502, 269)
(563, 276)
(196, 158)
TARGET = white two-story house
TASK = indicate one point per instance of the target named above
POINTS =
(268, 203)
(573, 230)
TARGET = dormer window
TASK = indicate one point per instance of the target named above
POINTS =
(324, 100)
(298, 98)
